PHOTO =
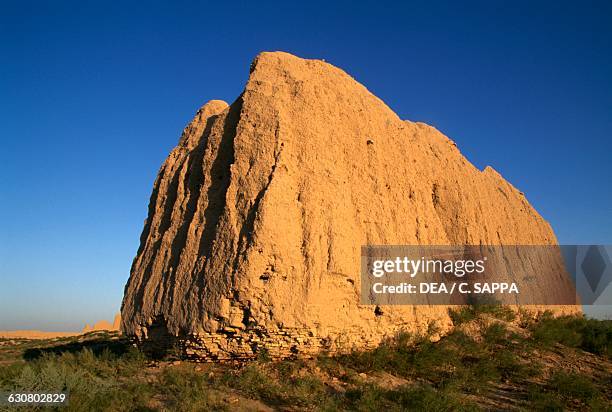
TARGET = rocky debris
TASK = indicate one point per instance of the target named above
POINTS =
(257, 218)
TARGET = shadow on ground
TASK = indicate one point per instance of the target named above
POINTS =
(97, 343)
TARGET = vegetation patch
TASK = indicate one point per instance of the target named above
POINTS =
(591, 335)
(485, 363)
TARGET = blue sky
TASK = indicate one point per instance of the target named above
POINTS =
(94, 95)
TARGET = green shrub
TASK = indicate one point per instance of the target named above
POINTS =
(462, 315)
(8, 373)
(426, 398)
(309, 391)
(406, 356)
(573, 386)
(591, 335)
(251, 381)
(420, 397)
(466, 314)
(543, 401)
(510, 366)
(185, 389)
(366, 398)
(597, 337)
(495, 334)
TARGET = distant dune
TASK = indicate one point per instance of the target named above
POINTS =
(39, 334)
(104, 325)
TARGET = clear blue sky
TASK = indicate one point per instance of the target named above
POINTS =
(94, 96)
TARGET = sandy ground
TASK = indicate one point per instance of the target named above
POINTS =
(35, 334)
(39, 334)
